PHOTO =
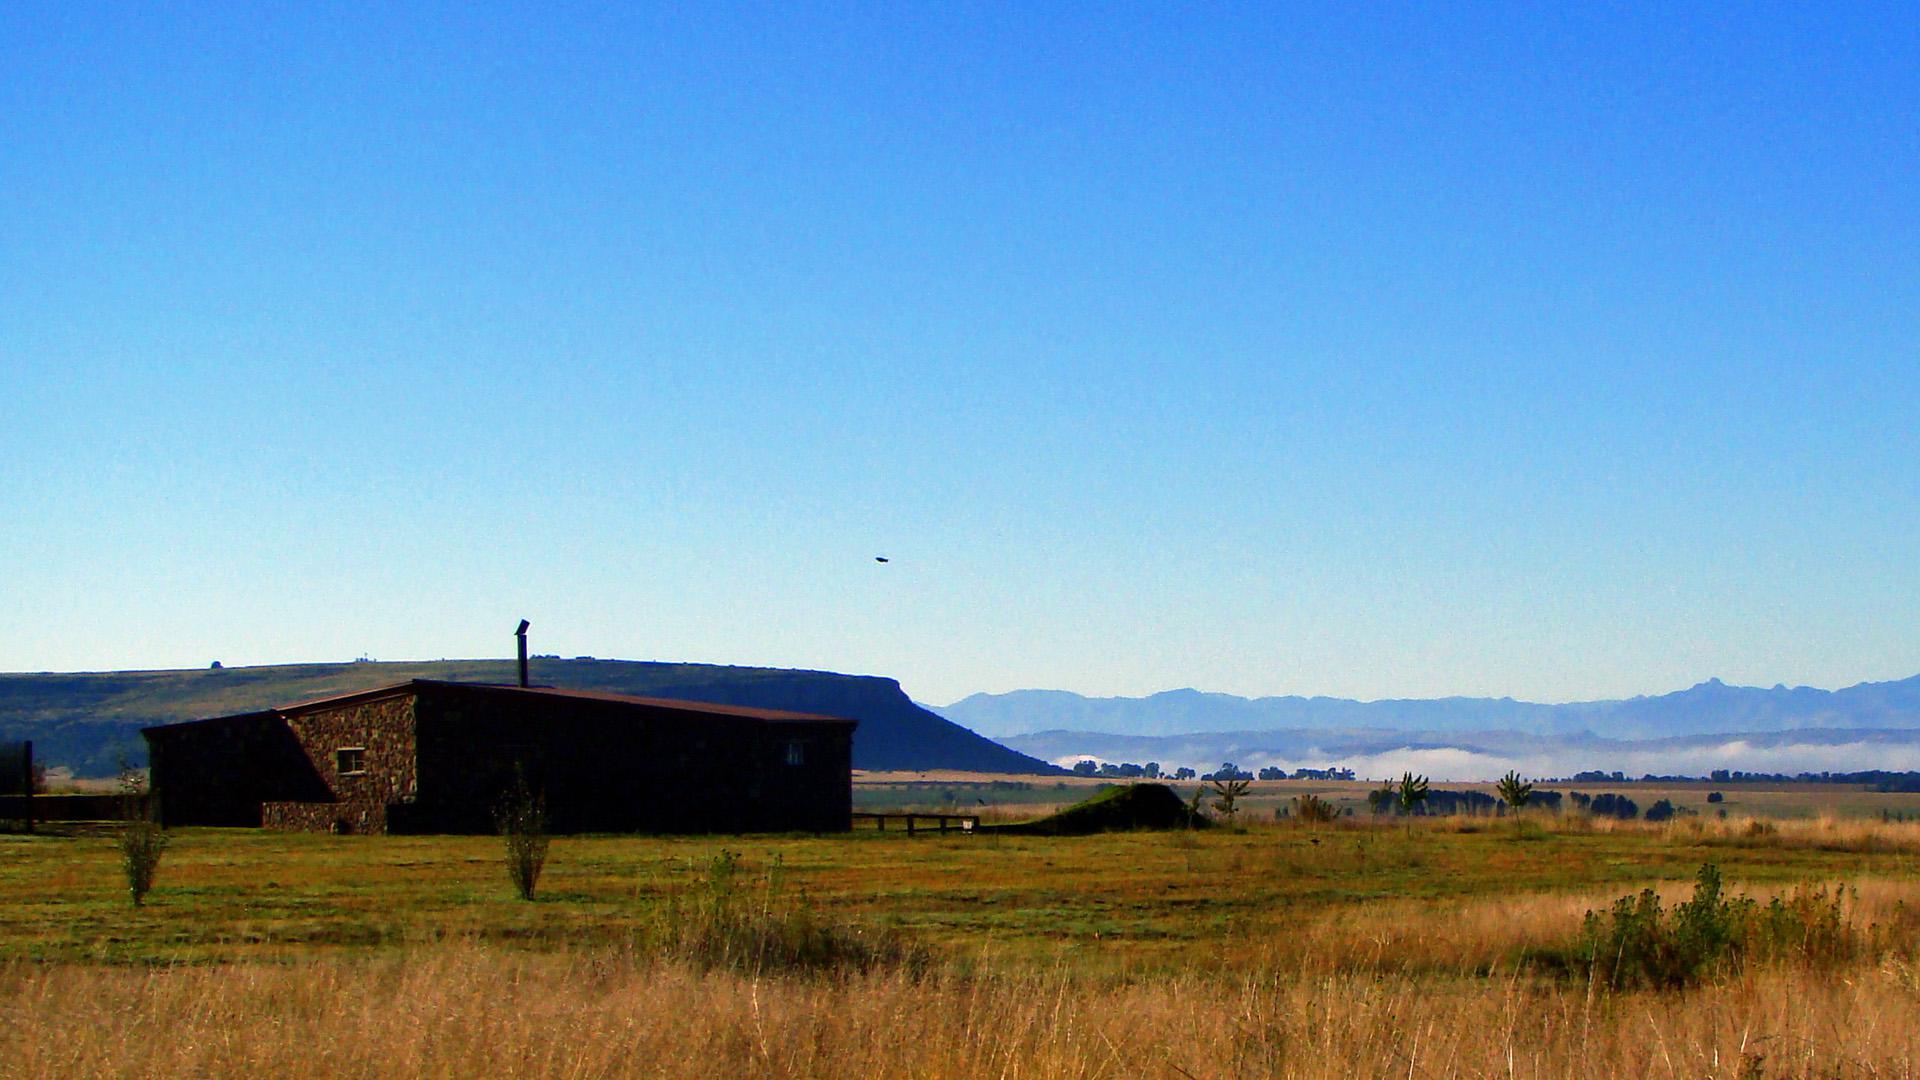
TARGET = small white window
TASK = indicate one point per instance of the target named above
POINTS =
(350, 760)
(796, 752)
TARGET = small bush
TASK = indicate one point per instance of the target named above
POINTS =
(1227, 792)
(1608, 804)
(1807, 926)
(1380, 799)
(1637, 943)
(141, 841)
(522, 819)
(718, 924)
(1313, 809)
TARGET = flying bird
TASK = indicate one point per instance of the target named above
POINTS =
(880, 558)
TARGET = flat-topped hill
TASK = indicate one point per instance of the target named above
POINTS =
(90, 721)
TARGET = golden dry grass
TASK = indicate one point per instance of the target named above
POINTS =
(1356, 949)
(1488, 936)
(467, 1012)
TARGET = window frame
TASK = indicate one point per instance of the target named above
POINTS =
(356, 765)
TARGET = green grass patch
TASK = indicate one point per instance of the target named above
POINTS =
(236, 894)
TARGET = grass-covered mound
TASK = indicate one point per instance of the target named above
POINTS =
(1122, 808)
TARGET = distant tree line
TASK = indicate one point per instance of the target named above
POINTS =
(1332, 772)
(1442, 801)
(1127, 770)
(1876, 779)
(1393, 798)
(1873, 779)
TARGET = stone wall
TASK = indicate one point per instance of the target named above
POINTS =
(334, 817)
(382, 734)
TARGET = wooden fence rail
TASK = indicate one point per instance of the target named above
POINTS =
(72, 807)
(965, 823)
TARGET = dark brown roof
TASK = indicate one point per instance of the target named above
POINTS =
(414, 686)
(741, 712)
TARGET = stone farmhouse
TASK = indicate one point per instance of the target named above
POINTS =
(428, 756)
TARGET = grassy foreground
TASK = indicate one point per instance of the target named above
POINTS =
(1362, 949)
(465, 1012)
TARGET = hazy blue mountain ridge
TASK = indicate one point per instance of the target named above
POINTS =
(1711, 707)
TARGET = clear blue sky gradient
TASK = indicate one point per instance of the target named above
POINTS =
(1267, 349)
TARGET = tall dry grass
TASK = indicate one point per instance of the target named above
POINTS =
(1482, 937)
(1826, 832)
(1424, 988)
(464, 1012)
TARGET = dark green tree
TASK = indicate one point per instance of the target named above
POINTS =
(1383, 797)
(1226, 797)
(1411, 793)
(1514, 791)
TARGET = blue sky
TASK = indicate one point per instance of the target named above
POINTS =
(1268, 349)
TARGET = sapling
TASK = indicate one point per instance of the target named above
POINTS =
(522, 818)
(142, 841)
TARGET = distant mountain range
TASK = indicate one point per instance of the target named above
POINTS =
(90, 722)
(1709, 708)
(1694, 731)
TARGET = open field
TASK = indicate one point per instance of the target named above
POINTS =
(1361, 948)
(1152, 897)
(990, 794)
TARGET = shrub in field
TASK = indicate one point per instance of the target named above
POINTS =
(1661, 811)
(141, 841)
(1411, 792)
(1639, 943)
(723, 922)
(1226, 797)
(1381, 799)
(1514, 791)
(522, 819)
(1313, 809)
(1609, 804)
(1808, 926)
